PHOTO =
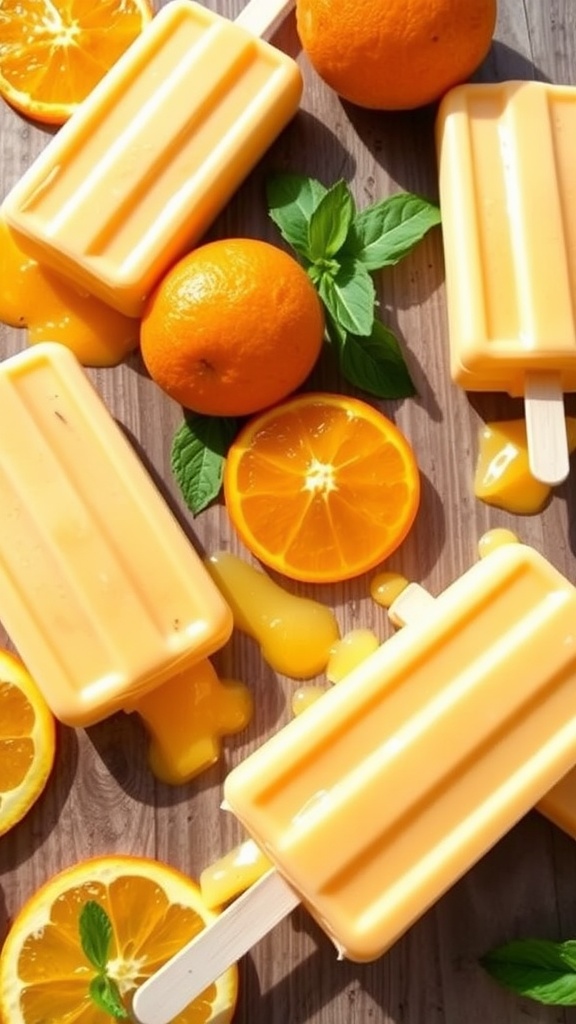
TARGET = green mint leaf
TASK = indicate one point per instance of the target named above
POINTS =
(105, 994)
(376, 364)
(349, 297)
(336, 334)
(569, 953)
(198, 454)
(330, 222)
(95, 934)
(537, 968)
(292, 199)
(384, 233)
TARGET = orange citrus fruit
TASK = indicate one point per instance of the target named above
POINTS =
(154, 910)
(53, 52)
(395, 55)
(27, 741)
(234, 326)
(322, 487)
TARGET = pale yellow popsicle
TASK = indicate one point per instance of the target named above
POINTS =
(507, 154)
(506, 158)
(376, 799)
(101, 591)
(153, 154)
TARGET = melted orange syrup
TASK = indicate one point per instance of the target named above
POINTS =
(495, 538)
(385, 587)
(295, 633)
(502, 476)
(350, 651)
(187, 717)
(232, 874)
(304, 696)
(54, 310)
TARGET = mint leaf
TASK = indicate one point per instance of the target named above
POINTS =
(349, 296)
(330, 222)
(569, 953)
(198, 454)
(104, 992)
(95, 934)
(384, 233)
(340, 248)
(376, 364)
(292, 199)
(537, 968)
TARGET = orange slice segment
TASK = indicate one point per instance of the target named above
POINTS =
(27, 741)
(322, 487)
(154, 910)
(53, 52)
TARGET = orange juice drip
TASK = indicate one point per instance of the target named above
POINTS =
(295, 634)
(349, 652)
(187, 718)
(231, 874)
(304, 696)
(502, 476)
(495, 538)
(386, 587)
(53, 310)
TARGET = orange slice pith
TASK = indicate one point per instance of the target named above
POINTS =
(154, 911)
(27, 741)
(322, 487)
(53, 52)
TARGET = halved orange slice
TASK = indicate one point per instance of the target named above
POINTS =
(27, 741)
(321, 487)
(153, 910)
(53, 52)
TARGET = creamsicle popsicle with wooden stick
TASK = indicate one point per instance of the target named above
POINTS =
(506, 155)
(559, 803)
(101, 591)
(376, 799)
(156, 150)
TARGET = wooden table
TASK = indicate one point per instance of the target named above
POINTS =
(102, 798)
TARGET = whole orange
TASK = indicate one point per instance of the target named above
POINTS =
(234, 327)
(395, 54)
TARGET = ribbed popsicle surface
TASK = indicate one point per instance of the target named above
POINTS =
(100, 590)
(383, 793)
(507, 154)
(154, 153)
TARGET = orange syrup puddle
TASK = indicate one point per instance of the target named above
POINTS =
(54, 310)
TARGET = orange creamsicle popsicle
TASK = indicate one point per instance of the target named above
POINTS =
(100, 590)
(559, 804)
(506, 155)
(376, 799)
(158, 148)
(414, 602)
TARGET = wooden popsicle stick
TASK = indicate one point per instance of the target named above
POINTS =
(548, 454)
(263, 17)
(187, 974)
(411, 605)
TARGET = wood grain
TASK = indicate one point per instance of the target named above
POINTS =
(102, 798)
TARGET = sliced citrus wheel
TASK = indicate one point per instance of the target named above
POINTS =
(53, 52)
(27, 741)
(321, 487)
(153, 910)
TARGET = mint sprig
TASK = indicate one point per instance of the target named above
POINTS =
(199, 449)
(341, 247)
(536, 968)
(95, 930)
